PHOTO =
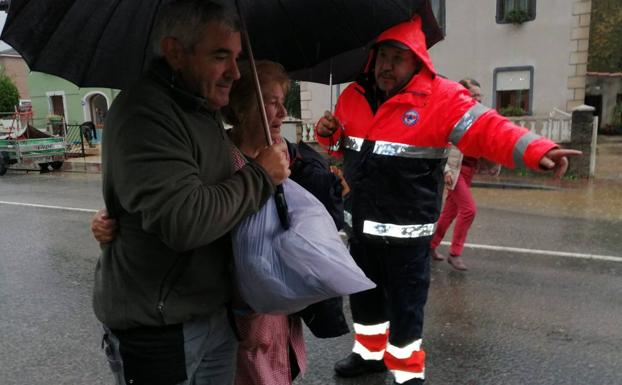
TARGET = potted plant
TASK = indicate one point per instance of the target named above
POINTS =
(55, 119)
(517, 16)
(512, 111)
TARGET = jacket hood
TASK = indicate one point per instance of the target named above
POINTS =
(411, 35)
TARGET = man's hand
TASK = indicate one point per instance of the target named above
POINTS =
(327, 125)
(556, 160)
(273, 159)
(103, 228)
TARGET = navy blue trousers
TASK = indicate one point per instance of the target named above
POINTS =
(402, 276)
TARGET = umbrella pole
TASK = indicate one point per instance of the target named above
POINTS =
(253, 67)
(279, 196)
(330, 85)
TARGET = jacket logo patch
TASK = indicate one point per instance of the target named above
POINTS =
(410, 118)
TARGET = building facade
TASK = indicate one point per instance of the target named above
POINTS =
(54, 96)
(15, 68)
(530, 56)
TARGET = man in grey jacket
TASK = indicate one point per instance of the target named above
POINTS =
(162, 285)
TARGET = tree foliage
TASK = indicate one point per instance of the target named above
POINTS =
(605, 52)
(292, 100)
(9, 96)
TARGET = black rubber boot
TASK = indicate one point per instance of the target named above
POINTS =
(354, 365)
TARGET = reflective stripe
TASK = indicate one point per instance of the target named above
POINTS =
(521, 146)
(406, 351)
(353, 143)
(365, 353)
(402, 376)
(408, 151)
(347, 218)
(370, 330)
(398, 231)
(336, 146)
(466, 122)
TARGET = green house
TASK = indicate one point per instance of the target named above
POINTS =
(53, 97)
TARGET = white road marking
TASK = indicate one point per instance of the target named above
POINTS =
(468, 245)
(48, 207)
(554, 253)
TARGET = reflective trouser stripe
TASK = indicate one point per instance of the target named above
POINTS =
(466, 122)
(368, 354)
(521, 146)
(406, 363)
(403, 376)
(370, 341)
(398, 231)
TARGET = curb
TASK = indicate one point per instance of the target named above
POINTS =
(512, 185)
(94, 168)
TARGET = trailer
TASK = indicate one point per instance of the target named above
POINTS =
(22, 145)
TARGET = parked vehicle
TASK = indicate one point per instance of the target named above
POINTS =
(21, 144)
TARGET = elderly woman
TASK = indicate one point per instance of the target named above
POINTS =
(271, 350)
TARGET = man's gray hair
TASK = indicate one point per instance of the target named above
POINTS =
(185, 20)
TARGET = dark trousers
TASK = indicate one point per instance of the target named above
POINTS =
(402, 276)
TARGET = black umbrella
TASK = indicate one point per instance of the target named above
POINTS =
(105, 43)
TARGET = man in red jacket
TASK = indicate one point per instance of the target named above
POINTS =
(393, 126)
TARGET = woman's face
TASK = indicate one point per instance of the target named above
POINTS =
(253, 133)
(274, 98)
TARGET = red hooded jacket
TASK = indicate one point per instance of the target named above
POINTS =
(394, 156)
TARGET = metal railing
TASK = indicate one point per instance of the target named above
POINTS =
(558, 129)
(74, 141)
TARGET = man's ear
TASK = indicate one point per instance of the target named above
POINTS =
(173, 52)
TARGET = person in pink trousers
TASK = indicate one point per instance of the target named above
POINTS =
(459, 204)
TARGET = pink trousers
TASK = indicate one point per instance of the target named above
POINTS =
(459, 205)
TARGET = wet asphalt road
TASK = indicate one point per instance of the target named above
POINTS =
(513, 318)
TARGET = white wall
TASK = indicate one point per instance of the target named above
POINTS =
(475, 45)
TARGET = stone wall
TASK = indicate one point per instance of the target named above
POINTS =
(580, 35)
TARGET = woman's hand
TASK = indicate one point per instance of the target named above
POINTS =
(449, 179)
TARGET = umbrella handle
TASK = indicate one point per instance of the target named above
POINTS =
(281, 206)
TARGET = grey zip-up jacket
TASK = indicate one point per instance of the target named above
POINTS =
(169, 180)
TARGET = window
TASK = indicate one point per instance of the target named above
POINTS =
(438, 7)
(513, 90)
(515, 11)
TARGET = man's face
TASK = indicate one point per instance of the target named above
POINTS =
(394, 68)
(211, 67)
(476, 93)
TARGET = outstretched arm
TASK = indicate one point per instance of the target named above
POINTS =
(556, 160)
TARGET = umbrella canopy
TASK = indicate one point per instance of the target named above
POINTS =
(105, 43)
